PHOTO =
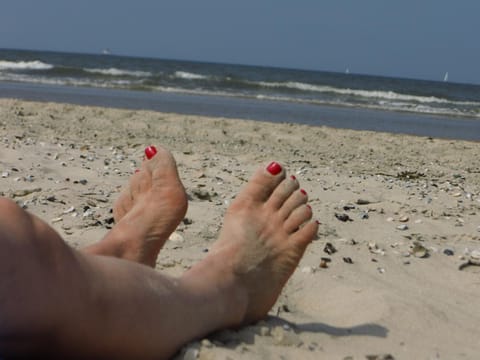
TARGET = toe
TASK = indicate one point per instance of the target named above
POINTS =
(297, 218)
(122, 204)
(283, 192)
(296, 199)
(263, 183)
(304, 236)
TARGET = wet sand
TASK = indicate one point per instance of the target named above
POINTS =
(400, 215)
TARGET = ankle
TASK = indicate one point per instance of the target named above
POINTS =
(213, 278)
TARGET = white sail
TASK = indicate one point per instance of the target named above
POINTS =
(445, 78)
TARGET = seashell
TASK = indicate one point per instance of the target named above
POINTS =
(307, 270)
(374, 249)
(402, 227)
(55, 220)
(404, 219)
(25, 192)
(419, 251)
(5, 174)
(69, 210)
(176, 237)
(475, 257)
(91, 203)
(285, 337)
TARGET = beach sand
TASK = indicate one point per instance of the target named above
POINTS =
(394, 285)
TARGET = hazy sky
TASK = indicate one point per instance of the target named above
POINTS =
(408, 38)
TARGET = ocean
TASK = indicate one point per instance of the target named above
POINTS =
(260, 93)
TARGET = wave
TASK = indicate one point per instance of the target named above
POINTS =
(70, 81)
(119, 72)
(383, 105)
(189, 76)
(385, 100)
(371, 94)
(24, 65)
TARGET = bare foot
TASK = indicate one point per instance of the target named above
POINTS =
(265, 233)
(147, 211)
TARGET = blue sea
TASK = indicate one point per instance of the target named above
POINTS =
(431, 108)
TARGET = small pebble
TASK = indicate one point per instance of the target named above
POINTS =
(402, 227)
(324, 262)
(343, 217)
(329, 248)
(364, 215)
(448, 252)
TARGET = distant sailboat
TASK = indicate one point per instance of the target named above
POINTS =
(106, 52)
(445, 78)
(347, 71)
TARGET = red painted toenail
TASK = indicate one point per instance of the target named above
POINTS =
(274, 168)
(293, 177)
(150, 151)
(303, 192)
(318, 222)
(137, 170)
(309, 206)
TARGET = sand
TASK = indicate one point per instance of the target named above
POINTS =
(393, 284)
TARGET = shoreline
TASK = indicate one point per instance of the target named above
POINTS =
(390, 287)
(250, 109)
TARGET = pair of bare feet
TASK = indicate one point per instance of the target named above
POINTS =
(265, 232)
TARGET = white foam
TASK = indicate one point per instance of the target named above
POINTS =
(24, 65)
(119, 72)
(371, 94)
(189, 76)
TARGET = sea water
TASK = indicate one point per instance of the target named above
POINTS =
(261, 93)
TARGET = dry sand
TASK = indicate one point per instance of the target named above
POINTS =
(377, 297)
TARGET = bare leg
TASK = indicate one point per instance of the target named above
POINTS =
(55, 298)
(146, 213)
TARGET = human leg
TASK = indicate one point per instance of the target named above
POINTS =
(103, 306)
(147, 211)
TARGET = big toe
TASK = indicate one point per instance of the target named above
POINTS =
(162, 165)
(263, 182)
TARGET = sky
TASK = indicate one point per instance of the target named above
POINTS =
(420, 39)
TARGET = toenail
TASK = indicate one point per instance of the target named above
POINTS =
(303, 192)
(137, 170)
(293, 177)
(274, 168)
(150, 151)
(309, 206)
(318, 222)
